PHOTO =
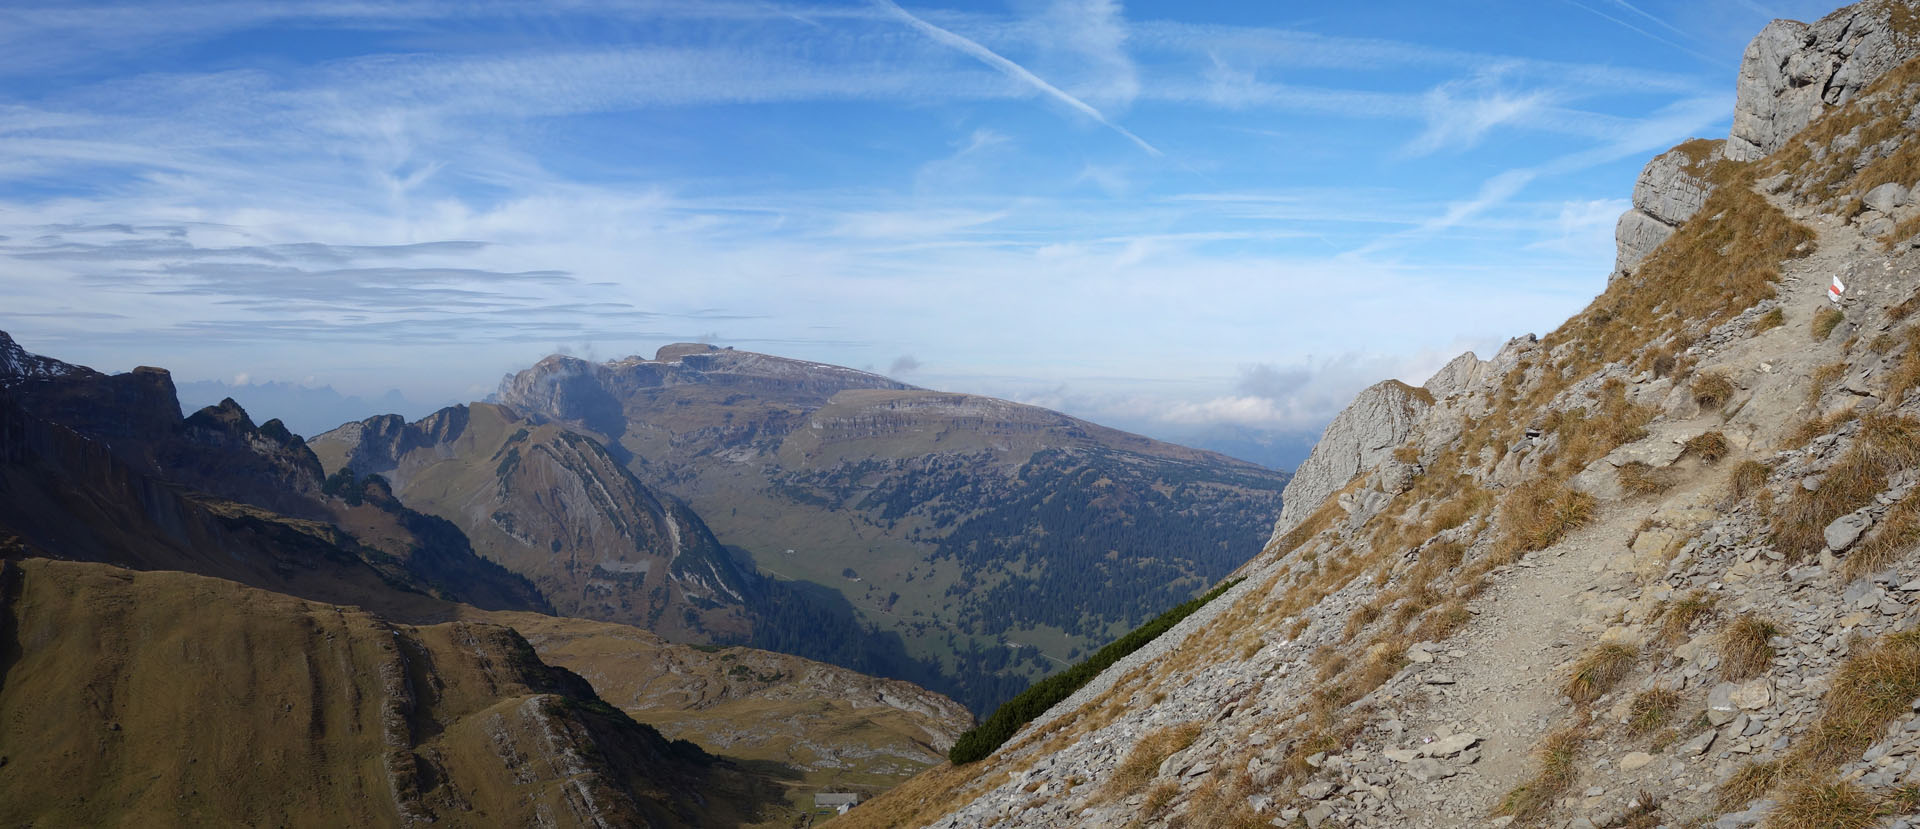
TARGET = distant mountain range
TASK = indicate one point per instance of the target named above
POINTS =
(198, 626)
(306, 410)
(968, 543)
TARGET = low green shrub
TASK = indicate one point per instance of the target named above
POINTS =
(1000, 726)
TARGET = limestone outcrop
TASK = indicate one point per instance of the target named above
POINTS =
(1794, 71)
(1377, 421)
(1669, 191)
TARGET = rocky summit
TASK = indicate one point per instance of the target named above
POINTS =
(1658, 567)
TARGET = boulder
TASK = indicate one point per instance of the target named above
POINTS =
(1449, 746)
(1886, 198)
(1845, 530)
(1454, 377)
(1753, 695)
(1721, 707)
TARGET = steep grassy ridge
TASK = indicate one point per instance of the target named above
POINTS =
(170, 699)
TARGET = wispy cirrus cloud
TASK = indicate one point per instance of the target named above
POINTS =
(1012, 70)
(851, 182)
(1460, 113)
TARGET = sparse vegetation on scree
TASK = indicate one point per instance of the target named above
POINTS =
(1000, 727)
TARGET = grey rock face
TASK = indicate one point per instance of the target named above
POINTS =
(1794, 71)
(1377, 421)
(1454, 377)
(1671, 188)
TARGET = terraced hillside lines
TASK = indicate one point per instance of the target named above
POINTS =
(552, 505)
(169, 699)
(996, 541)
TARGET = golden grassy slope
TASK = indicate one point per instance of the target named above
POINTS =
(162, 698)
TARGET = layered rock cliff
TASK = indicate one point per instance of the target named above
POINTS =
(963, 541)
(554, 506)
(1792, 72)
(1361, 437)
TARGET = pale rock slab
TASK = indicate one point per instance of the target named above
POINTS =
(1671, 188)
(1886, 198)
(1847, 529)
(1379, 420)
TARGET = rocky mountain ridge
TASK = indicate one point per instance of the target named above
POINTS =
(554, 506)
(1660, 567)
(951, 539)
(102, 470)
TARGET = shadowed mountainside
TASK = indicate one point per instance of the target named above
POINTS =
(103, 468)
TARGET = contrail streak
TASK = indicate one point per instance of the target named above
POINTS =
(1011, 70)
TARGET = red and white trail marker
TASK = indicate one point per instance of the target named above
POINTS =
(1835, 290)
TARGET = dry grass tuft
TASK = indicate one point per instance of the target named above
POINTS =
(1817, 426)
(1747, 478)
(1534, 516)
(1744, 650)
(1438, 559)
(1906, 374)
(1597, 672)
(1709, 447)
(1825, 804)
(1643, 812)
(1902, 801)
(1158, 797)
(1750, 781)
(1824, 321)
(1769, 321)
(1659, 361)
(1712, 390)
(1876, 684)
(1143, 762)
(1885, 444)
(1823, 378)
(1680, 617)
(1441, 622)
(1897, 532)
(1905, 308)
(1652, 710)
(1639, 478)
(1558, 756)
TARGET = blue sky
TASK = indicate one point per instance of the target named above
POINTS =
(1165, 216)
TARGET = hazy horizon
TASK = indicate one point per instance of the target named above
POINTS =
(1176, 219)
